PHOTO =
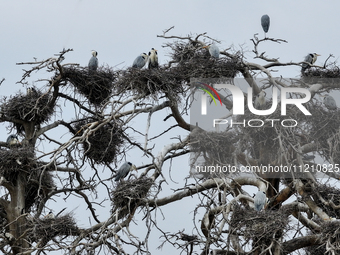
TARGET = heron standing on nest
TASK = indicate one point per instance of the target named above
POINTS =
(93, 63)
(124, 170)
(153, 59)
(213, 50)
(310, 59)
(260, 200)
(12, 140)
(140, 61)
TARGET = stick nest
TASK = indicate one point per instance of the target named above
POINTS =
(151, 82)
(328, 193)
(34, 107)
(96, 86)
(260, 227)
(215, 147)
(43, 230)
(331, 72)
(104, 144)
(128, 194)
(20, 161)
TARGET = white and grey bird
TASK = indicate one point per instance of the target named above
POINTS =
(260, 200)
(31, 91)
(93, 63)
(265, 22)
(140, 61)
(329, 102)
(153, 59)
(50, 215)
(260, 100)
(12, 140)
(124, 170)
(310, 59)
(213, 50)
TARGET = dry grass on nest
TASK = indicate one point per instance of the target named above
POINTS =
(104, 144)
(33, 107)
(45, 229)
(128, 193)
(145, 81)
(96, 86)
(258, 226)
(217, 147)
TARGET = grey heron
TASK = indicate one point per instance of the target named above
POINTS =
(153, 59)
(329, 102)
(265, 22)
(50, 215)
(260, 100)
(310, 58)
(124, 170)
(213, 50)
(93, 63)
(140, 61)
(260, 200)
(12, 140)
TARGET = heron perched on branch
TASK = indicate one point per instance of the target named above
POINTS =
(265, 22)
(260, 100)
(260, 200)
(329, 102)
(93, 63)
(12, 140)
(213, 50)
(310, 59)
(140, 61)
(153, 59)
(124, 170)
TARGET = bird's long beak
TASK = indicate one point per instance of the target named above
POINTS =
(135, 168)
(318, 54)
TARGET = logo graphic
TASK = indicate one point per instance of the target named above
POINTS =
(208, 92)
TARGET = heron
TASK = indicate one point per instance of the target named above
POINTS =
(260, 200)
(140, 61)
(213, 50)
(329, 102)
(50, 215)
(124, 170)
(153, 59)
(260, 100)
(31, 91)
(310, 59)
(12, 140)
(93, 63)
(265, 22)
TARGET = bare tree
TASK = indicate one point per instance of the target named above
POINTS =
(98, 111)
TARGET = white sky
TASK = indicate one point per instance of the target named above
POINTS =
(121, 30)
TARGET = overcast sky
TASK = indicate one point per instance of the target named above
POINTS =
(121, 30)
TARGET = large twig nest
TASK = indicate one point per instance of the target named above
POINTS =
(43, 230)
(129, 193)
(260, 227)
(34, 107)
(154, 81)
(329, 194)
(104, 144)
(96, 86)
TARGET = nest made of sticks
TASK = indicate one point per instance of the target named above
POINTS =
(329, 194)
(215, 147)
(260, 227)
(96, 86)
(20, 160)
(35, 106)
(332, 71)
(104, 144)
(43, 230)
(129, 193)
(194, 61)
(151, 82)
